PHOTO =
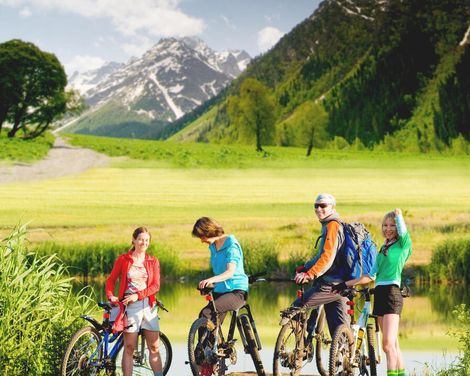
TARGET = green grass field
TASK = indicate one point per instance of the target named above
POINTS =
(255, 197)
(265, 198)
(19, 150)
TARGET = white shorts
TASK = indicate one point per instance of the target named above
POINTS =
(141, 315)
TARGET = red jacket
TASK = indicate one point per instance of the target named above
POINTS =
(121, 268)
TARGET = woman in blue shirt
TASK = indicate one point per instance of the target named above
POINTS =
(231, 282)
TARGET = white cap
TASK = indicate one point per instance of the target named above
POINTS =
(325, 198)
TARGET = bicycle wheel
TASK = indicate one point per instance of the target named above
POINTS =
(342, 347)
(371, 347)
(82, 352)
(323, 341)
(289, 350)
(142, 357)
(251, 343)
(201, 346)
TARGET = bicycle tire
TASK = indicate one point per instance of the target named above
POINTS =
(371, 347)
(322, 339)
(251, 344)
(197, 343)
(86, 341)
(287, 356)
(342, 348)
(141, 365)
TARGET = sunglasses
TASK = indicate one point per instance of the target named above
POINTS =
(323, 206)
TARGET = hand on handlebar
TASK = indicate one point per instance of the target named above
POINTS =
(204, 283)
(113, 299)
(339, 287)
(301, 278)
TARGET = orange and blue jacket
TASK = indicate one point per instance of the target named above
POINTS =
(324, 263)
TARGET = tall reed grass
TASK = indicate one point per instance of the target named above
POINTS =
(96, 259)
(260, 256)
(450, 261)
(461, 367)
(37, 309)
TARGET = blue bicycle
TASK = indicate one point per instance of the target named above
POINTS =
(95, 350)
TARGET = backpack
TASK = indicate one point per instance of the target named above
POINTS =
(358, 253)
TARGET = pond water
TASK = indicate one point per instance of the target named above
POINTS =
(426, 318)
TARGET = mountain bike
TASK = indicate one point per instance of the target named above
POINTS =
(96, 350)
(348, 349)
(208, 349)
(301, 338)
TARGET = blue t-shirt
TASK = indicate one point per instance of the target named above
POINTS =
(230, 252)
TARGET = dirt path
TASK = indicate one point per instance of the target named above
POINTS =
(62, 160)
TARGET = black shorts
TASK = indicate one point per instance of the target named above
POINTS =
(387, 299)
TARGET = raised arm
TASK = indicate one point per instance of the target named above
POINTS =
(400, 222)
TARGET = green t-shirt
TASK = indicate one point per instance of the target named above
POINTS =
(387, 269)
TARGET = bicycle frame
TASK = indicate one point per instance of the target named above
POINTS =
(105, 329)
(361, 324)
(234, 322)
(106, 360)
(208, 350)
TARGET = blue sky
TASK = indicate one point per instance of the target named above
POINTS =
(86, 33)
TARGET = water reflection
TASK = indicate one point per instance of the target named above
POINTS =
(425, 320)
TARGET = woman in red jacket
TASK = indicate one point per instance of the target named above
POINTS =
(139, 275)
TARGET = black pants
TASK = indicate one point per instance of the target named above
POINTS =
(229, 301)
(335, 304)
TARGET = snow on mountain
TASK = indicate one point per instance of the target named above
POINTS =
(89, 79)
(167, 81)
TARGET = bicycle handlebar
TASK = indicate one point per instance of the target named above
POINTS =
(108, 306)
(351, 292)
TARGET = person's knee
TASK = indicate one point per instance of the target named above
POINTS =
(389, 346)
(154, 349)
(129, 348)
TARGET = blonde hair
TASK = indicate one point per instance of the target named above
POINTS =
(206, 227)
(137, 232)
(389, 215)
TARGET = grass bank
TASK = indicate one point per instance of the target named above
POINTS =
(96, 259)
(38, 309)
(450, 261)
(20, 150)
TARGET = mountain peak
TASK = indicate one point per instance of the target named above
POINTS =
(170, 79)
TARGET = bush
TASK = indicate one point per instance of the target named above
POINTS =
(450, 261)
(37, 309)
(462, 365)
(97, 259)
(260, 256)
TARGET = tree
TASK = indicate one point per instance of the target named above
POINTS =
(32, 88)
(253, 112)
(314, 125)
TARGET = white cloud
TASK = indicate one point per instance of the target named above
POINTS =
(130, 17)
(268, 37)
(227, 22)
(25, 12)
(138, 48)
(272, 17)
(83, 63)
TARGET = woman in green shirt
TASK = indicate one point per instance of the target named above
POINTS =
(388, 301)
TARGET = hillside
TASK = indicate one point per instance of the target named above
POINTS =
(137, 99)
(387, 74)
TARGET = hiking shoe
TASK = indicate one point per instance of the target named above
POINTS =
(288, 313)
